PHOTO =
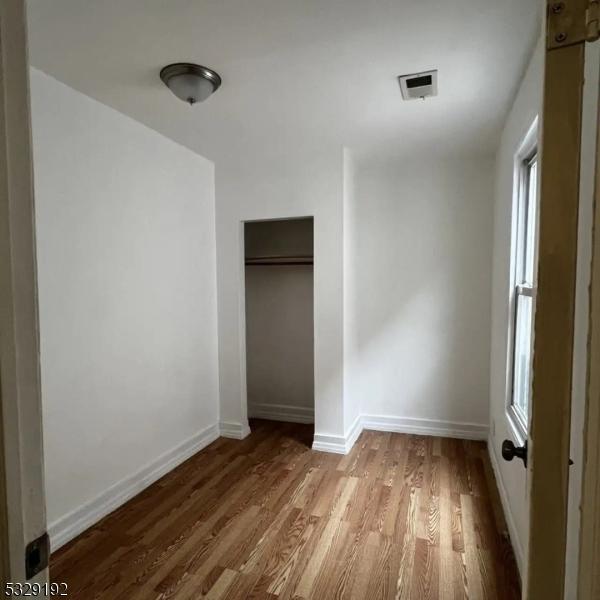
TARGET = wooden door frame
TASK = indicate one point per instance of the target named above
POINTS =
(589, 542)
(549, 437)
(5, 544)
(4, 537)
(22, 498)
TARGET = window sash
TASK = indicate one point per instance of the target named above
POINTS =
(521, 390)
(524, 295)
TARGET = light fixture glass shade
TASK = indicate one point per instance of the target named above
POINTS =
(190, 88)
(189, 82)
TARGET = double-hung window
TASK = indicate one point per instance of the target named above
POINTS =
(525, 248)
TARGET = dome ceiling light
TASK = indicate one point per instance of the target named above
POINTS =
(189, 82)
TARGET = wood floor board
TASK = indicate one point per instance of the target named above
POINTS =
(400, 517)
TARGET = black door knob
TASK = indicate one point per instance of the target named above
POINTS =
(509, 451)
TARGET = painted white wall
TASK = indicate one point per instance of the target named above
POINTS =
(280, 341)
(352, 397)
(418, 291)
(297, 184)
(511, 476)
(127, 294)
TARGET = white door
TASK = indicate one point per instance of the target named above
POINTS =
(23, 545)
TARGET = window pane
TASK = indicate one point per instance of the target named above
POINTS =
(530, 230)
(522, 356)
(524, 281)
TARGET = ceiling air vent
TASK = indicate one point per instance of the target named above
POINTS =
(418, 85)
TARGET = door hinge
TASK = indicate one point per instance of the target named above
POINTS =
(572, 22)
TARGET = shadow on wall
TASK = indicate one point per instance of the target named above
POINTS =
(419, 290)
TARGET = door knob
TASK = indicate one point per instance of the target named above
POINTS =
(509, 451)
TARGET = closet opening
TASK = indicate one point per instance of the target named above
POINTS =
(279, 302)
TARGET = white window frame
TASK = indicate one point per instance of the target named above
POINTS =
(526, 151)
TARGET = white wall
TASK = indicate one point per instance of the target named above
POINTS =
(127, 294)
(303, 184)
(418, 293)
(280, 342)
(511, 476)
(352, 398)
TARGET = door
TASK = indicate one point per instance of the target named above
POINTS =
(23, 545)
(570, 24)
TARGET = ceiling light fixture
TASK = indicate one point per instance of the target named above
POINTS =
(189, 82)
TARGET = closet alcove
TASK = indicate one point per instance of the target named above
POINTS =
(280, 319)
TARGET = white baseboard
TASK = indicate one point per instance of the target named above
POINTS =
(343, 444)
(352, 434)
(451, 429)
(282, 412)
(338, 444)
(77, 521)
(235, 431)
(330, 443)
(510, 521)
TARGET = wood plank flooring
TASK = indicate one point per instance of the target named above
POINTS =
(400, 517)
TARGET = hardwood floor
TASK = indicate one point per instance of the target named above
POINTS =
(401, 516)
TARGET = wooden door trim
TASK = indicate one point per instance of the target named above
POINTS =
(589, 556)
(4, 537)
(5, 542)
(554, 321)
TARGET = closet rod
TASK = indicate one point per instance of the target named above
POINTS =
(279, 260)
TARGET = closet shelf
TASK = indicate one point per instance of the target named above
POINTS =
(279, 260)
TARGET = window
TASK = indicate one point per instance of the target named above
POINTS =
(525, 249)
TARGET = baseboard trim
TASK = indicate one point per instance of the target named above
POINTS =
(72, 524)
(330, 443)
(338, 444)
(510, 521)
(343, 444)
(450, 429)
(282, 412)
(235, 431)
(354, 432)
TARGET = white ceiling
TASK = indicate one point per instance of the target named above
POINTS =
(296, 73)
